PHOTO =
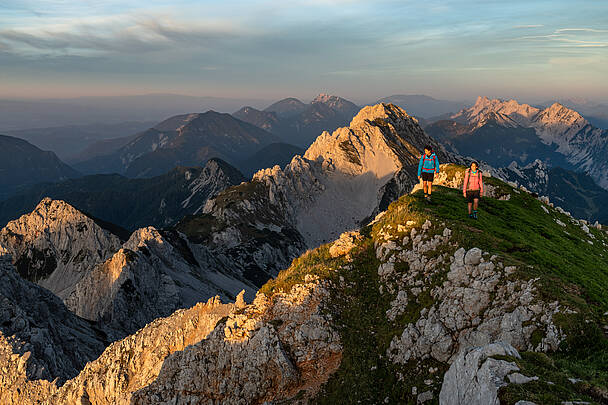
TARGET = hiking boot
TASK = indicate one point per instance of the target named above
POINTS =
(475, 215)
(471, 216)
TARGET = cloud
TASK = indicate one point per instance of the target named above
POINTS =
(119, 34)
(529, 26)
(580, 29)
(572, 37)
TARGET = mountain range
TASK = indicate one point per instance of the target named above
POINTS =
(298, 123)
(573, 191)
(159, 201)
(499, 132)
(344, 284)
(22, 164)
(182, 140)
(422, 106)
(70, 141)
(120, 280)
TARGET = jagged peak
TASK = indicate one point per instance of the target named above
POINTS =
(385, 111)
(325, 98)
(57, 214)
(558, 112)
(48, 206)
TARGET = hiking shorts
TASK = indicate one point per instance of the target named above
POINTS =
(428, 176)
(473, 195)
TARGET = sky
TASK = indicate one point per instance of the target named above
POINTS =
(362, 50)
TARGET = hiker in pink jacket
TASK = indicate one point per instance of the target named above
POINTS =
(472, 189)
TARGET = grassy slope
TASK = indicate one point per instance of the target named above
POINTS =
(570, 270)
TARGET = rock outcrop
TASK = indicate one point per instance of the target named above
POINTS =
(476, 305)
(273, 350)
(276, 348)
(136, 361)
(475, 376)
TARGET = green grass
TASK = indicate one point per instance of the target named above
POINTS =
(317, 262)
(554, 385)
(569, 269)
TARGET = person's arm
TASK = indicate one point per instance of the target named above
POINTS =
(420, 166)
(436, 164)
(466, 183)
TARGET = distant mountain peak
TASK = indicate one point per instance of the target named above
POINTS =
(325, 98)
(385, 111)
(559, 113)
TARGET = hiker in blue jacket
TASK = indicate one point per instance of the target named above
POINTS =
(428, 166)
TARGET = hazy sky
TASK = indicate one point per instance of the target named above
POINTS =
(268, 49)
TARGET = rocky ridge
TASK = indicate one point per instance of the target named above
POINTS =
(153, 274)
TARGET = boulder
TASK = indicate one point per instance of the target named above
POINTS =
(475, 376)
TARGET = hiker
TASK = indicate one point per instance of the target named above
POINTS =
(428, 166)
(472, 189)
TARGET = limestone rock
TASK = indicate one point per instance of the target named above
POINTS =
(136, 361)
(345, 244)
(270, 352)
(475, 377)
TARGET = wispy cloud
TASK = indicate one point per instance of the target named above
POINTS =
(572, 37)
(529, 26)
(120, 34)
(581, 29)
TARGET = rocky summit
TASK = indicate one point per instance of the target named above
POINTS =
(420, 305)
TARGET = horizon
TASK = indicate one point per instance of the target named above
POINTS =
(359, 103)
(449, 50)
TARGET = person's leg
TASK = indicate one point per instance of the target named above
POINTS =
(470, 205)
(475, 204)
(430, 187)
(425, 186)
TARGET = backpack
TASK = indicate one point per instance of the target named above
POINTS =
(478, 176)
(432, 158)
